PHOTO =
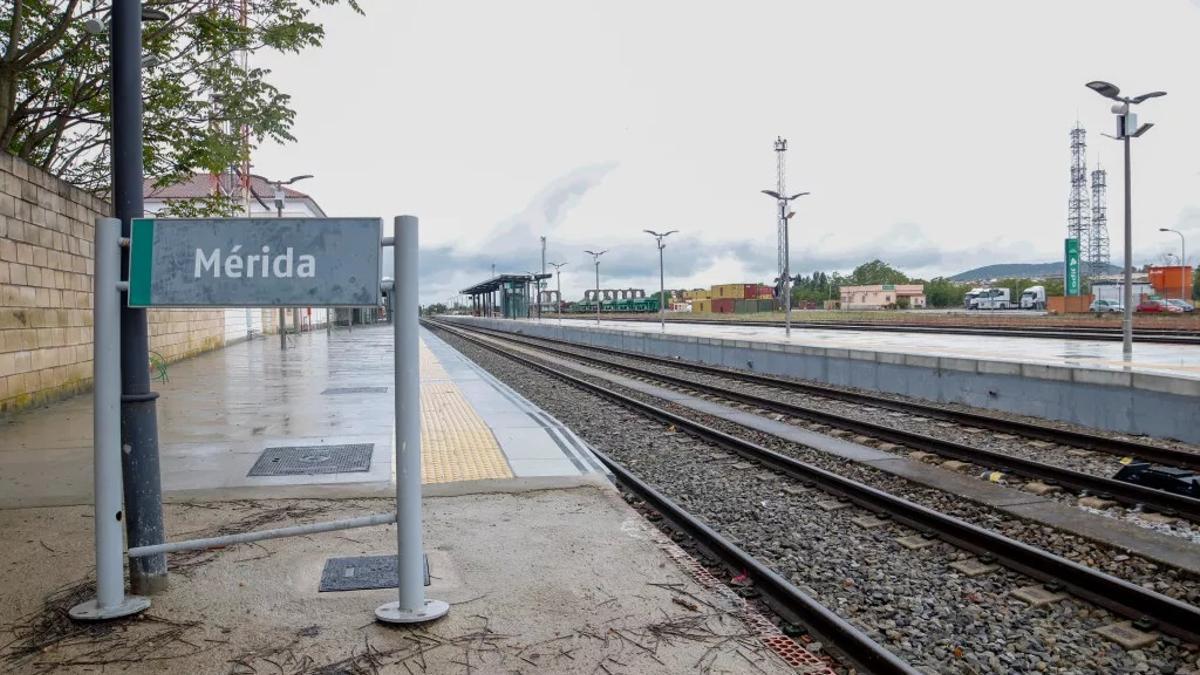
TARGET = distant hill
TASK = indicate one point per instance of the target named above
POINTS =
(1019, 271)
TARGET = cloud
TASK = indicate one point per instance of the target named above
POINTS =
(548, 208)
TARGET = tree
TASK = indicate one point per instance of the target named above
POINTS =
(876, 272)
(198, 97)
(942, 292)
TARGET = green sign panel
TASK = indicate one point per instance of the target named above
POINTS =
(1071, 272)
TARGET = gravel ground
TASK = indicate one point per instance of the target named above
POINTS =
(1077, 459)
(911, 601)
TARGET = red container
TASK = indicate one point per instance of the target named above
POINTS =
(723, 305)
(765, 292)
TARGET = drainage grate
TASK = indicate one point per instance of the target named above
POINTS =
(362, 573)
(313, 459)
(354, 390)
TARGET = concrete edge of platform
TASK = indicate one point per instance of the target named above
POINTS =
(345, 491)
(1114, 400)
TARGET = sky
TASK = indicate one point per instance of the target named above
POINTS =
(932, 134)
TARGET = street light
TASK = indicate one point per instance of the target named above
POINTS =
(280, 197)
(662, 292)
(1127, 128)
(785, 217)
(533, 279)
(558, 274)
(596, 260)
(1182, 255)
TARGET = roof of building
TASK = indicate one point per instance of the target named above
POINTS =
(495, 282)
(204, 184)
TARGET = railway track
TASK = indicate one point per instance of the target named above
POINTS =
(1118, 447)
(1119, 596)
(1137, 496)
(1156, 336)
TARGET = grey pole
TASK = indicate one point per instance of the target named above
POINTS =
(597, 290)
(539, 281)
(139, 420)
(1127, 320)
(662, 292)
(558, 279)
(787, 271)
(110, 601)
(411, 606)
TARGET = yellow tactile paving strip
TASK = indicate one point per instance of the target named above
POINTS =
(456, 444)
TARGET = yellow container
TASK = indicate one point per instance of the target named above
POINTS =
(701, 306)
(734, 291)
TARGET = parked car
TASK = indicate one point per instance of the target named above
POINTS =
(1158, 307)
(1182, 304)
(1105, 306)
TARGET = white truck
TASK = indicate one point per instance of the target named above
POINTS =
(1033, 297)
(989, 299)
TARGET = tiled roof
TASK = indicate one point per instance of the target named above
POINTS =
(203, 184)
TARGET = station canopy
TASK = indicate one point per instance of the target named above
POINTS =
(496, 282)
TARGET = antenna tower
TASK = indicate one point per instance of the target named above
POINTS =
(1078, 210)
(1097, 257)
(782, 226)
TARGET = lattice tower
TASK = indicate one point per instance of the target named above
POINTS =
(1078, 210)
(781, 189)
(1097, 256)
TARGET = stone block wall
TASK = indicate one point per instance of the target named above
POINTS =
(46, 234)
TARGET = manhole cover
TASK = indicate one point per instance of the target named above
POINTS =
(313, 459)
(354, 390)
(362, 572)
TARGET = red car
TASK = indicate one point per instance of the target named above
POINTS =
(1153, 306)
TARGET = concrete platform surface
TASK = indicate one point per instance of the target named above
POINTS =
(1181, 361)
(217, 412)
(563, 581)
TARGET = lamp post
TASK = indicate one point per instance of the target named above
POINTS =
(785, 217)
(1127, 129)
(662, 300)
(596, 260)
(539, 281)
(280, 198)
(558, 278)
(1182, 255)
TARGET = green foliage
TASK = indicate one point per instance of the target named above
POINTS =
(876, 272)
(198, 98)
(942, 292)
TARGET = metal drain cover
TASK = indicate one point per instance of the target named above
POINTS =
(307, 460)
(362, 573)
(354, 390)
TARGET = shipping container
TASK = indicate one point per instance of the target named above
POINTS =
(701, 306)
(729, 292)
(745, 306)
(1172, 282)
(765, 293)
(723, 305)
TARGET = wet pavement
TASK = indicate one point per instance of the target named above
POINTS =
(1181, 361)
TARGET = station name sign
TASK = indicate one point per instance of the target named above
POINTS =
(255, 262)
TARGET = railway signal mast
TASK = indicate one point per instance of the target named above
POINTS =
(782, 199)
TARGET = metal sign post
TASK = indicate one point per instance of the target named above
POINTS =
(412, 606)
(255, 263)
(110, 601)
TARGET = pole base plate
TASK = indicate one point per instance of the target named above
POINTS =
(391, 612)
(92, 611)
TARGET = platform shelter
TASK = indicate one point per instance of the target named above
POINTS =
(506, 296)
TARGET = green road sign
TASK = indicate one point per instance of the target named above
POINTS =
(1071, 272)
(254, 262)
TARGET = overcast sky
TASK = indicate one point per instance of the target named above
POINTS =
(931, 133)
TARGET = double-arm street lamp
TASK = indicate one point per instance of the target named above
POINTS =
(1182, 260)
(1127, 129)
(662, 292)
(596, 259)
(558, 277)
(785, 217)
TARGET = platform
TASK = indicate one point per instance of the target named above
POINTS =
(219, 411)
(545, 567)
(1081, 381)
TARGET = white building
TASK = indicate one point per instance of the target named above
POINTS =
(243, 323)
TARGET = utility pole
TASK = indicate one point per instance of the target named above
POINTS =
(280, 199)
(596, 260)
(539, 281)
(139, 418)
(662, 292)
(558, 274)
(783, 251)
(1127, 129)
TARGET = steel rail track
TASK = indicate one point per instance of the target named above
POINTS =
(1116, 595)
(783, 597)
(1095, 442)
(1157, 336)
(1129, 493)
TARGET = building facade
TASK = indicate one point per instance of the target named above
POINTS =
(883, 296)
